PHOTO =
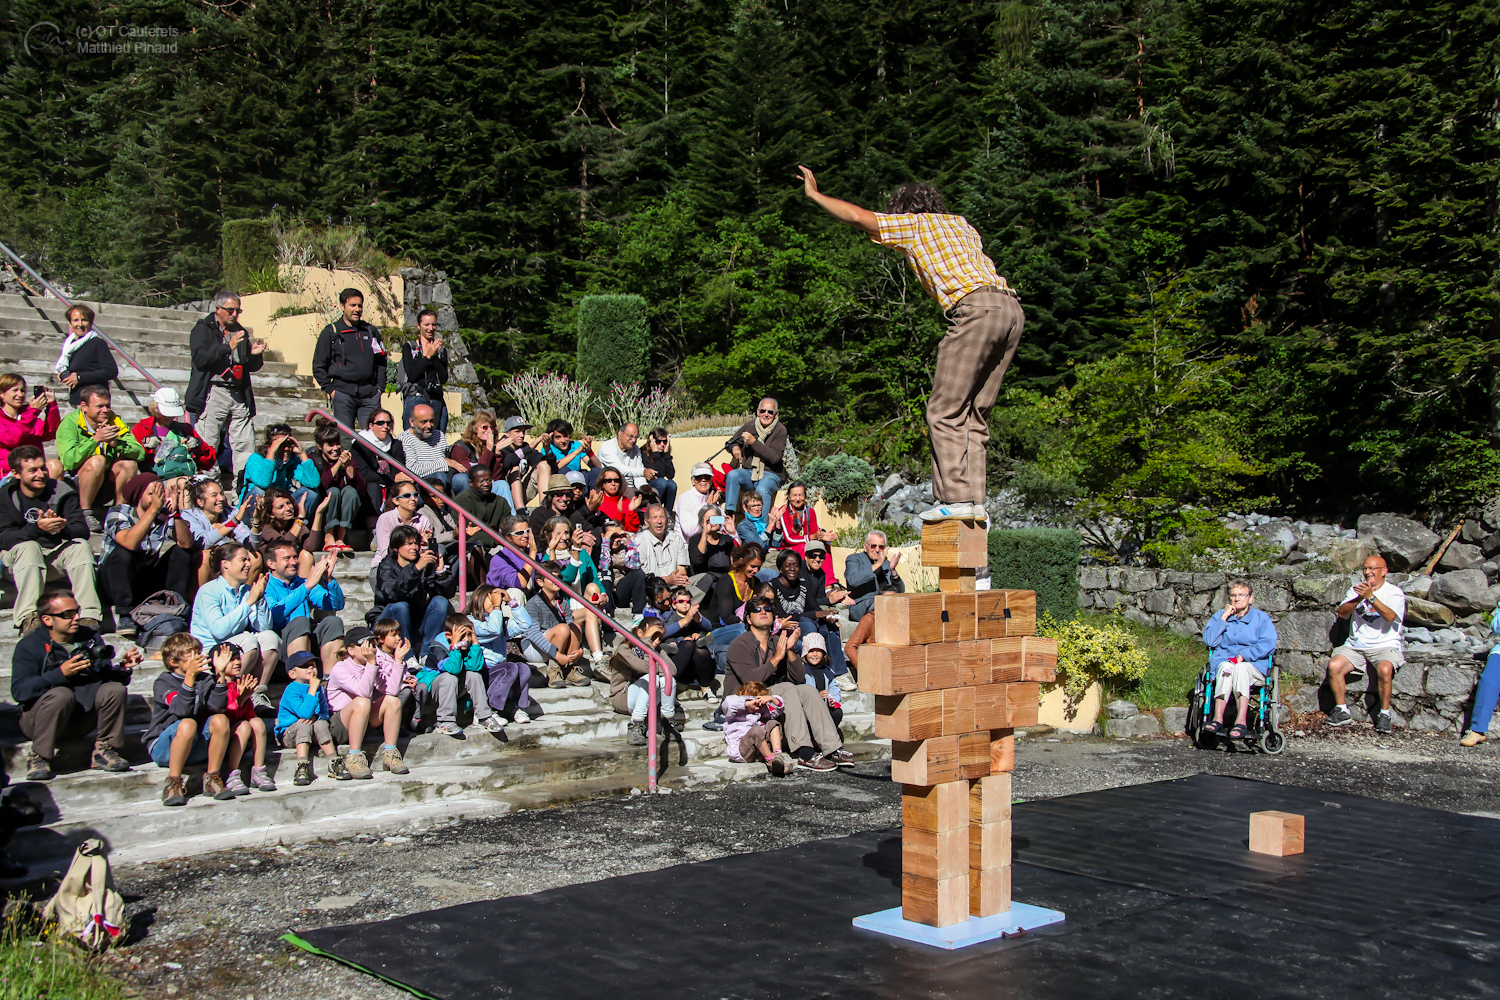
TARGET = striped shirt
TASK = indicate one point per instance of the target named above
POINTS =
(944, 250)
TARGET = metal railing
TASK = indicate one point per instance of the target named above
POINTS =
(155, 382)
(656, 664)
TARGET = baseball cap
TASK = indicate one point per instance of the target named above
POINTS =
(812, 547)
(577, 479)
(357, 635)
(301, 659)
(511, 423)
(168, 403)
(702, 469)
(813, 641)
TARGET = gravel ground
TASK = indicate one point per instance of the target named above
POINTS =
(209, 926)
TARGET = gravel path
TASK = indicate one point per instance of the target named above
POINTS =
(209, 926)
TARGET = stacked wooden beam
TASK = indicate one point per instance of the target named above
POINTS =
(955, 674)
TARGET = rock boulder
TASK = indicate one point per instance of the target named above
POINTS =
(1306, 631)
(1461, 555)
(1403, 542)
(1348, 555)
(1421, 612)
(1465, 591)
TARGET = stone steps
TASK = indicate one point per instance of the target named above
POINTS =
(104, 312)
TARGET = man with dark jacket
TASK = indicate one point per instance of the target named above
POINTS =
(422, 372)
(759, 452)
(43, 533)
(869, 573)
(219, 391)
(349, 362)
(64, 679)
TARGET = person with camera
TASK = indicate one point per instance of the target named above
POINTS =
(349, 362)
(422, 372)
(758, 450)
(692, 500)
(219, 391)
(406, 588)
(66, 681)
(713, 542)
(43, 533)
(21, 422)
(93, 443)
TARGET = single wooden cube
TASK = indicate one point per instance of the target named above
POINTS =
(952, 580)
(944, 660)
(992, 706)
(937, 808)
(989, 799)
(928, 762)
(1025, 703)
(892, 670)
(958, 617)
(935, 902)
(989, 844)
(1020, 610)
(962, 544)
(910, 717)
(908, 619)
(975, 662)
(989, 891)
(974, 755)
(935, 854)
(1277, 833)
(989, 614)
(958, 711)
(1002, 750)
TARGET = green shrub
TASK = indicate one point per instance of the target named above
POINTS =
(1089, 651)
(839, 477)
(614, 341)
(248, 246)
(896, 535)
(262, 279)
(1041, 559)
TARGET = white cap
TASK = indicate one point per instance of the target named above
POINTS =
(702, 469)
(168, 403)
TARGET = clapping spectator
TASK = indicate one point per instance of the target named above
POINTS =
(219, 389)
(374, 449)
(556, 502)
(339, 483)
(563, 453)
(293, 598)
(799, 525)
(660, 472)
(275, 518)
(758, 449)
(691, 501)
(422, 372)
(406, 587)
(188, 721)
(171, 445)
(623, 455)
(22, 421)
(727, 595)
(283, 464)
(94, 444)
(615, 504)
(85, 358)
(508, 571)
(620, 564)
(577, 571)
(232, 608)
(870, 573)
(712, 544)
(42, 533)
(202, 527)
(246, 729)
(755, 525)
(136, 557)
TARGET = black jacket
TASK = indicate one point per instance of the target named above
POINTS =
(371, 461)
(395, 583)
(15, 528)
(94, 364)
(345, 358)
(212, 360)
(172, 700)
(34, 669)
(421, 377)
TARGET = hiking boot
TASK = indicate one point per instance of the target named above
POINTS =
(261, 781)
(450, 729)
(555, 676)
(174, 792)
(1340, 716)
(358, 765)
(635, 733)
(214, 786)
(493, 724)
(390, 758)
(840, 757)
(38, 768)
(817, 762)
(235, 784)
(337, 769)
(846, 682)
(1383, 721)
(577, 678)
(304, 773)
(29, 621)
(107, 758)
(1472, 739)
(678, 717)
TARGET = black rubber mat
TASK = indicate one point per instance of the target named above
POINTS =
(1162, 896)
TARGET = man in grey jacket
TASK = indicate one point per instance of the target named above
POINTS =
(869, 573)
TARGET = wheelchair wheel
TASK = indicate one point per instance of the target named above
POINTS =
(1272, 742)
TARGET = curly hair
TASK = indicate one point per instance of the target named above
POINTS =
(915, 197)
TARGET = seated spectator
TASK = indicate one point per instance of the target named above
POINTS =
(247, 730)
(42, 535)
(173, 448)
(556, 502)
(1486, 693)
(522, 468)
(188, 720)
(136, 557)
(564, 454)
(869, 573)
(811, 736)
(231, 608)
(374, 449)
(477, 498)
(394, 661)
(1374, 646)
(629, 690)
(293, 599)
(362, 695)
(755, 525)
(508, 571)
(96, 446)
(713, 542)
(202, 527)
(406, 504)
(426, 448)
(819, 670)
(757, 449)
(85, 358)
(663, 552)
(692, 663)
(549, 639)
(660, 472)
(614, 504)
(283, 464)
(422, 372)
(406, 587)
(340, 485)
(277, 519)
(801, 599)
(751, 729)
(1240, 640)
(302, 720)
(823, 604)
(487, 616)
(692, 500)
(799, 525)
(31, 421)
(458, 659)
(577, 571)
(620, 569)
(725, 597)
(67, 685)
(477, 446)
(621, 454)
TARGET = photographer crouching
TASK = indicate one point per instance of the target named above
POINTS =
(65, 680)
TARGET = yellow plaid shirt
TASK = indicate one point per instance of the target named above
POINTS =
(944, 250)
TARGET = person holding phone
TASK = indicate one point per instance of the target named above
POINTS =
(219, 390)
(714, 540)
(26, 420)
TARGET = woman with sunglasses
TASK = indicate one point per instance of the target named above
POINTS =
(800, 594)
(614, 504)
(406, 511)
(509, 571)
(659, 468)
(373, 450)
(477, 446)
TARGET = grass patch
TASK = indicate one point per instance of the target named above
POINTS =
(36, 968)
(1176, 661)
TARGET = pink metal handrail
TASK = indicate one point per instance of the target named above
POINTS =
(155, 382)
(654, 660)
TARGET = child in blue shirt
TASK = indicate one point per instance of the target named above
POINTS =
(487, 608)
(302, 718)
(457, 660)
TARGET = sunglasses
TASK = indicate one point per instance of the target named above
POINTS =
(382, 423)
(872, 545)
(70, 613)
(231, 311)
(606, 482)
(815, 555)
(407, 496)
(521, 531)
(772, 412)
(758, 609)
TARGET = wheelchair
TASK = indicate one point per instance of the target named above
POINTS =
(1262, 719)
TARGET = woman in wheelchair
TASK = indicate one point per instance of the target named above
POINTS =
(1240, 640)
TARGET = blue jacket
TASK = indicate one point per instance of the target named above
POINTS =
(1251, 636)
(453, 661)
(298, 703)
(294, 600)
(220, 611)
(265, 473)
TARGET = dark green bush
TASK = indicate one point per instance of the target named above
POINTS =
(1041, 559)
(614, 341)
(248, 246)
(840, 477)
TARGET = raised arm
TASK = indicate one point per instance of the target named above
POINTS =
(844, 211)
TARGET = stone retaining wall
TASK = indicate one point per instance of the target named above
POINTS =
(1432, 692)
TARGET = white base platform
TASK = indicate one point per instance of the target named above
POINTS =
(975, 930)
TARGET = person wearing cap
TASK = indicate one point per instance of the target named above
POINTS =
(522, 467)
(714, 540)
(622, 454)
(758, 449)
(425, 448)
(219, 391)
(663, 552)
(136, 558)
(690, 501)
(349, 362)
(869, 573)
(173, 448)
(479, 500)
(556, 502)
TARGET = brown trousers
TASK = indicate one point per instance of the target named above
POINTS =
(971, 363)
(55, 715)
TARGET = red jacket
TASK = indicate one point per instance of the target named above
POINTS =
(204, 455)
(618, 509)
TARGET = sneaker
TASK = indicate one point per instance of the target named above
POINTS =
(107, 758)
(840, 758)
(174, 792)
(29, 621)
(235, 785)
(555, 676)
(577, 678)
(781, 765)
(953, 512)
(95, 527)
(304, 773)
(817, 763)
(358, 765)
(635, 733)
(38, 768)
(390, 759)
(450, 729)
(1472, 739)
(214, 787)
(1339, 716)
(337, 769)
(261, 699)
(261, 781)
(1383, 721)
(493, 724)
(521, 717)
(846, 682)
(714, 726)
(125, 628)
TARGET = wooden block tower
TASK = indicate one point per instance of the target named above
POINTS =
(954, 674)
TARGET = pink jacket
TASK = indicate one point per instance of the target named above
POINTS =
(738, 722)
(349, 680)
(796, 528)
(31, 427)
(389, 675)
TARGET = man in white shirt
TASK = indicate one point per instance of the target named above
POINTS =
(1374, 647)
(690, 502)
(663, 553)
(620, 452)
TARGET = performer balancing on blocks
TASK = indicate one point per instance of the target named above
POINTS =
(985, 320)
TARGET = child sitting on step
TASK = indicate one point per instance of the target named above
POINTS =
(188, 725)
(249, 728)
(302, 719)
(487, 615)
(819, 669)
(363, 698)
(628, 692)
(458, 660)
(395, 662)
(752, 728)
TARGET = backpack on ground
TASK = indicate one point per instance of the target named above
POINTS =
(86, 906)
(162, 614)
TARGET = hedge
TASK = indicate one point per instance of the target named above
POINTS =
(614, 340)
(1041, 559)
(247, 246)
(841, 478)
